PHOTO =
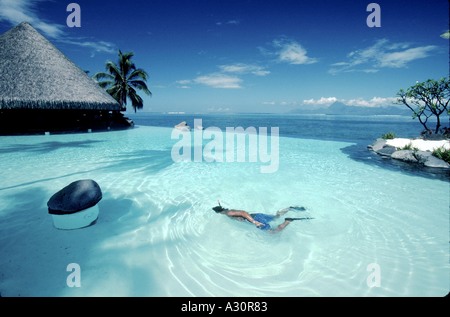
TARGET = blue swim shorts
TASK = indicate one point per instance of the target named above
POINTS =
(263, 218)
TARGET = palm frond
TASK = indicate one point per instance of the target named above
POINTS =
(105, 84)
(113, 70)
(138, 73)
(125, 63)
(140, 85)
(136, 100)
(100, 76)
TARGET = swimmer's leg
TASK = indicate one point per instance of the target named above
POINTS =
(282, 212)
(281, 226)
(285, 210)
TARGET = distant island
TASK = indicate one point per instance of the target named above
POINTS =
(339, 108)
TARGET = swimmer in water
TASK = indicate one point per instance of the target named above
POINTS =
(260, 220)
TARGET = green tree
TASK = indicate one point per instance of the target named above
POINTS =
(122, 80)
(426, 100)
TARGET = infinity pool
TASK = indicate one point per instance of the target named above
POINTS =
(376, 231)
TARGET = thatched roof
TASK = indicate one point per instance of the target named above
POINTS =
(34, 74)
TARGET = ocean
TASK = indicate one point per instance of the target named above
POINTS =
(364, 129)
(361, 131)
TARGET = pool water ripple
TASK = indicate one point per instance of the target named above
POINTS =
(158, 236)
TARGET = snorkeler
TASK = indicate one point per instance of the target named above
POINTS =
(260, 220)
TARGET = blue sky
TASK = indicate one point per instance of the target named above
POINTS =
(252, 56)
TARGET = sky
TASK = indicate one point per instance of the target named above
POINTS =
(252, 56)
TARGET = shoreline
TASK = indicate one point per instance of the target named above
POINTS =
(415, 151)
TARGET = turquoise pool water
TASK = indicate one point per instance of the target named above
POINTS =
(157, 235)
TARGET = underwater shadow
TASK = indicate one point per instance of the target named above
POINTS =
(25, 205)
(360, 153)
(46, 147)
(22, 219)
(44, 180)
(151, 161)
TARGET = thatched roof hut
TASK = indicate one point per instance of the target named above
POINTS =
(42, 90)
(35, 74)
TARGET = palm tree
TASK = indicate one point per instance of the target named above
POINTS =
(123, 79)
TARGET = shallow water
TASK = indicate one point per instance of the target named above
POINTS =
(157, 235)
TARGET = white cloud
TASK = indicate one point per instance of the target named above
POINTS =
(219, 81)
(322, 101)
(374, 102)
(400, 59)
(227, 76)
(280, 103)
(240, 68)
(99, 47)
(184, 82)
(219, 109)
(17, 11)
(51, 30)
(382, 54)
(370, 70)
(361, 102)
(289, 51)
(229, 22)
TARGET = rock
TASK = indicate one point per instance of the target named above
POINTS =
(404, 155)
(387, 150)
(421, 152)
(422, 156)
(75, 197)
(429, 160)
(377, 145)
(433, 161)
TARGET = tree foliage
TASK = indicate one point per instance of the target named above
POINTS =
(427, 100)
(122, 80)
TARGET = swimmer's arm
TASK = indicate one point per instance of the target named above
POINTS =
(243, 214)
